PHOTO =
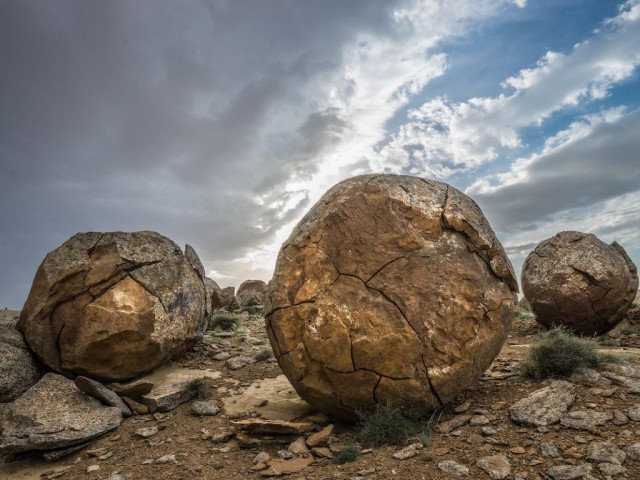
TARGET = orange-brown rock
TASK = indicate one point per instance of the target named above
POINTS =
(114, 305)
(576, 280)
(390, 289)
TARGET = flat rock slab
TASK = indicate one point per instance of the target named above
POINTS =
(102, 393)
(569, 472)
(205, 408)
(585, 419)
(279, 466)
(132, 390)
(497, 466)
(545, 406)
(168, 397)
(54, 414)
(273, 427)
(451, 467)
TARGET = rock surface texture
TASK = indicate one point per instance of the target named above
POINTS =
(575, 280)
(250, 293)
(115, 305)
(54, 414)
(18, 369)
(390, 289)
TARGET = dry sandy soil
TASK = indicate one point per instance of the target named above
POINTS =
(260, 389)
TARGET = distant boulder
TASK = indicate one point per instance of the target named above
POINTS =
(220, 297)
(18, 369)
(250, 293)
(575, 280)
(115, 305)
(524, 304)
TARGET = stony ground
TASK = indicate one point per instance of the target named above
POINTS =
(185, 447)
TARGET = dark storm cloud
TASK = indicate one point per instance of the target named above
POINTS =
(169, 116)
(601, 166)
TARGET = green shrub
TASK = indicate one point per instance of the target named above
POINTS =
(520, 313)
(254, 310)
(227, 322)
(349, 453)
(558, 352)
(388, 425)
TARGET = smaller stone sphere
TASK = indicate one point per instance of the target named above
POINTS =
(575, 280)
(115, 305)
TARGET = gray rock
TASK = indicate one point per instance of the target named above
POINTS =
(18, 369)
(262, 457)
(455, 422)
(240, 361)
(585, 419)
(586, 376)
(54, 414)
(479, 420)
(497, 466)
(54, 455)
(166, 459)
(632, 384)
(545, 406)
(549, 449)
(116, 476)
(408, 452)
(620, 418)
(623, 369)
(285, 454)
(611, 469)
(102, 393)
(452, 467)
(569, 472)
(633, 451)
(251, 292)
(606, 452)
(168, 397)
(222, 356)
(205, 408)
(634, 413)
(146, 432)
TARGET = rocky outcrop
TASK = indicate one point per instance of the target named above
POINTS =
(250, 293)
(220, 298)
(114, 305)
(390, 289)
(54, 414)
(575, 280)
(18, 369)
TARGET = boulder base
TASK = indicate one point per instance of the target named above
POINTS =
(575, 280)
(391, 289)
(18, 369)
(114, 305)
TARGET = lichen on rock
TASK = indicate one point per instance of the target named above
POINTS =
(390, 289)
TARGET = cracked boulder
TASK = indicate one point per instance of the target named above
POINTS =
(575, 280)
(251, 293)
(115, 305)
(390, 289)
(18, 369)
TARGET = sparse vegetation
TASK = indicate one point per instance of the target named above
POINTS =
(388, 425)
(349, 453)
(195, 385)
(254, 310)
(558, 352)
(226, 322)
(520, 313)
(264, 355)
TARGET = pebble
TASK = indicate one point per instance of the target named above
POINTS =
(569, 472)
(606, 452)
(549, 449)
(93, 468)
(408, 452)
(262, 457)
(479, 420)
(205, 408)
(489, 431)
(146, 432)
(166, 459)
(285, 454)
(611, 469)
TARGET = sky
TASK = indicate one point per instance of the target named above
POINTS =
(219, 123)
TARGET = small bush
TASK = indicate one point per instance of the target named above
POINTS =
(349, 453)
(225, 321)
(255, 310)
(520, 313)
(264, 355)
(426, 439)
(558, 352)
(388, 425)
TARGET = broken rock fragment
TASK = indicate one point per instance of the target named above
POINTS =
(390, 289)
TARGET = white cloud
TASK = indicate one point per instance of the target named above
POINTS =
(443, 137)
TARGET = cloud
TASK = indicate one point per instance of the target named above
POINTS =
(443, 137)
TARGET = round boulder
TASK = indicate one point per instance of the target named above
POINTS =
(575, 280)
(115, 305)
(251, 293)
(391, 289)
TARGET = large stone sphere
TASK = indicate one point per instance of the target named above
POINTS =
(392, 289)
(115, 305)
(575, 280)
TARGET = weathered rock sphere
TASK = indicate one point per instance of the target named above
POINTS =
(115, 305)
(576, 280)
(251, 293)
(391, 289)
